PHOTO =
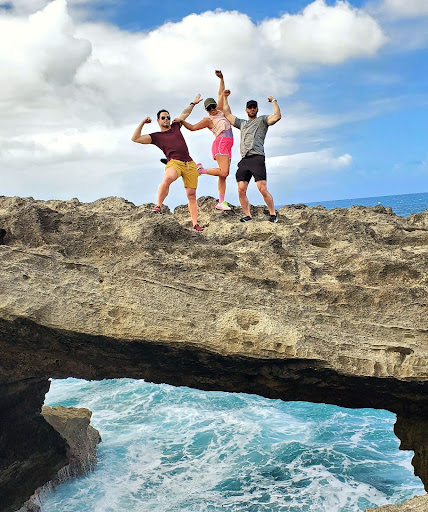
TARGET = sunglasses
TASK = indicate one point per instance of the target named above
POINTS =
(211, 107)
(165, 117)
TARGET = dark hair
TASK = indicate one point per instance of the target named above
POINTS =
(160, 112)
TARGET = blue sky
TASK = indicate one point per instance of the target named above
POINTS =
(350, 78)
(145, 15)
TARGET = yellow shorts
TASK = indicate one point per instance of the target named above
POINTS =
(187, 170)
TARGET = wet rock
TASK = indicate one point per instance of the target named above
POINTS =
(81, 438)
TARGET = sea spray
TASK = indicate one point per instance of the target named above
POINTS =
(171, 449)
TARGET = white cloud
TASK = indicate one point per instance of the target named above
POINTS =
(115, 71)
(27, 6)
(404, 22)
(75, 91)
(39, 52)
(308, 163)
(404, 8)
(325, 34)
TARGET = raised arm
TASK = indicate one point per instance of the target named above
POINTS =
(226, 108)
(220, 89)
(276, 116)
(205, 123)
(188, 110)
(142, 139)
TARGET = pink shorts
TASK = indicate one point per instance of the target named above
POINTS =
(222, 146)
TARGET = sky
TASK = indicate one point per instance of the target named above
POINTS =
(78, 76)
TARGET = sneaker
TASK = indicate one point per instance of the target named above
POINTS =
(246, 219)
(164, 161)
(223, 206)
(273, 218)
(156, 209)
(197, 227)
(201, 169)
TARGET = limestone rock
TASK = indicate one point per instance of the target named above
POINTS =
(31, 451)
(73, 425)
(325, 306)
(417, 504)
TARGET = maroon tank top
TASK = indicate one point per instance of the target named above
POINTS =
(172, 143)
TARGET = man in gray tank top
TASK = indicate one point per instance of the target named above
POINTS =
(253, 133)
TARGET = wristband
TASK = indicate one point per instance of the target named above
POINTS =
(274, 100)
(194, 104)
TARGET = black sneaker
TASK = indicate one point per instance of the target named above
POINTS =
(164, 161)
(273, 218)
(246, 218)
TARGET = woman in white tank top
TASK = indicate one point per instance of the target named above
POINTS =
(223, 142)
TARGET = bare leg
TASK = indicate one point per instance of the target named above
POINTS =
(224, 164)
(242, 193)
(192, 204)
(218, 171)
(169, 177)
(268, 199)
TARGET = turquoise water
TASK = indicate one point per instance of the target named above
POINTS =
(169, 449)
(403, 204)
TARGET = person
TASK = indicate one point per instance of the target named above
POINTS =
(179, 163)
(223, 141)
(252, 164)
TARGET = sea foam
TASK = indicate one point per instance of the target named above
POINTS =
(168, 449)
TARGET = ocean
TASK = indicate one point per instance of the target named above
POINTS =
(402, 205)
(168, 449)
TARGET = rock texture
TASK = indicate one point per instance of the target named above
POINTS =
(325, 306)
(417, 504)
(73, 425)
(31, 451)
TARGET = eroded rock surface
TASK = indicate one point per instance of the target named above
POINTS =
(31, 451)
(417, 504)
(325, 306)
(73, 425)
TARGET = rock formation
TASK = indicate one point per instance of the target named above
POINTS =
(325, 306)
(417, 504)
(73, 425)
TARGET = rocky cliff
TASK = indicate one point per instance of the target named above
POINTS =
(73, 425)
(325, 306)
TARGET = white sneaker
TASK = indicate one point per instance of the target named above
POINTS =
(223, 206)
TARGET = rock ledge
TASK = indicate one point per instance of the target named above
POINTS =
(325, 306)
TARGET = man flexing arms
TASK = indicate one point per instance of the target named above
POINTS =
(179, 163)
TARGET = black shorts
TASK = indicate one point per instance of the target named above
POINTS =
(251, 165)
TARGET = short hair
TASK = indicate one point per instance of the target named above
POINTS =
(160, 112)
